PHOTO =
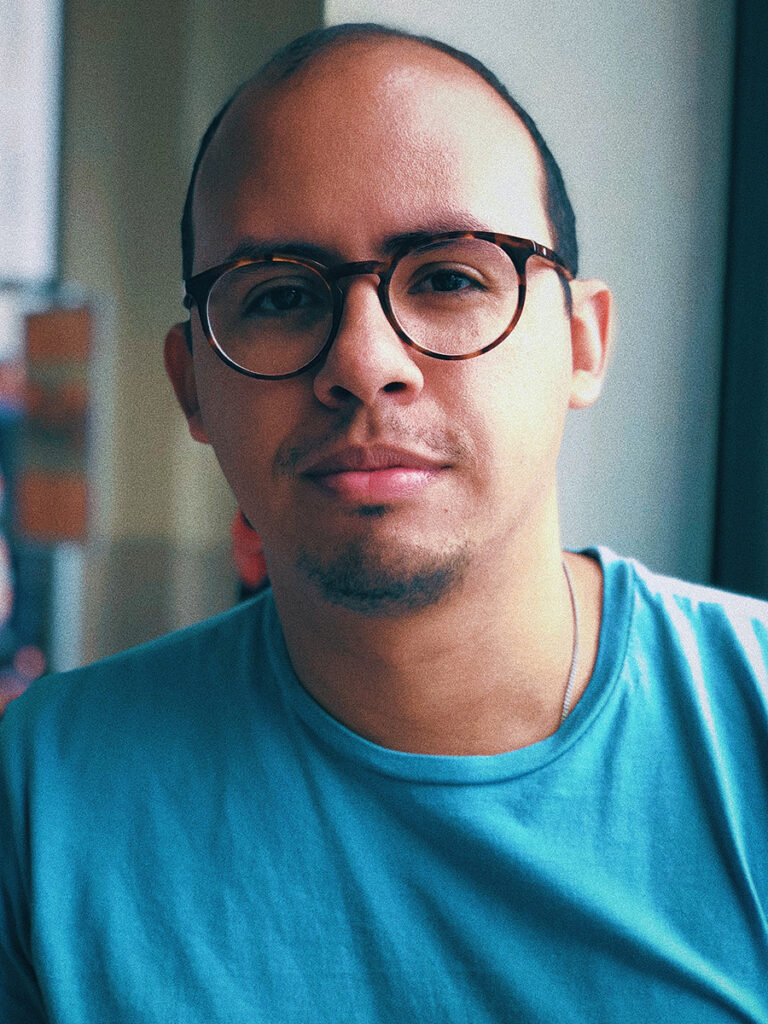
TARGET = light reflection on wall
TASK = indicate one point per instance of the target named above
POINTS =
(30, 78)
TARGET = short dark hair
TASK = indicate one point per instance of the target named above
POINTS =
(286, 61)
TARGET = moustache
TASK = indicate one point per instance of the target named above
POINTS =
(441, 445)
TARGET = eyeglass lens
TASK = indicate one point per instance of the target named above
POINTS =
(450, 298)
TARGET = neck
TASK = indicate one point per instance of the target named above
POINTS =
(481, 672)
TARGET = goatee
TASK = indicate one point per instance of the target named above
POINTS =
(365, 582)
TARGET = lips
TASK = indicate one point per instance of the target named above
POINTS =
(376, 473)
(370, 459)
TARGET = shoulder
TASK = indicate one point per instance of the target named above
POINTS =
(182, 670)
(707, 640)
(713, 618)
(670, 594)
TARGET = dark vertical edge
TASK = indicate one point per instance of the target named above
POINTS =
(740, 554)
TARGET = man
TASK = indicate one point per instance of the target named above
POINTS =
(440, 771)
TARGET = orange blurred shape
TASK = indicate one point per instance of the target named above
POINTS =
(52, 506)
(247, 553)
(62, 408)
(58, 335)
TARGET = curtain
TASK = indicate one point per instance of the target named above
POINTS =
(740, 559)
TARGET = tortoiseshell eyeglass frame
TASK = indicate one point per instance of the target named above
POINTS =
(519, 250)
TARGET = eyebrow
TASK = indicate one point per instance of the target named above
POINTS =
(254, 249)
(459, 222)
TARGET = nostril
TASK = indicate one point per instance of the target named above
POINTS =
(394, 386)
(340, 394)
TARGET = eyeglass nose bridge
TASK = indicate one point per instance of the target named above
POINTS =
(359, 269)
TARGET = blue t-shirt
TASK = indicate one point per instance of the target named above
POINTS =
(188, 837)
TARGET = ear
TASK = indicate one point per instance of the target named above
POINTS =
(181, 372)
(591, 340)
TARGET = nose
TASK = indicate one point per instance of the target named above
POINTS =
(367, 361)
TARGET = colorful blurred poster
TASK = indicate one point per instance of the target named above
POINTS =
(52, 485)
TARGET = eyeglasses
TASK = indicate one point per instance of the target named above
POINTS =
(450, 296)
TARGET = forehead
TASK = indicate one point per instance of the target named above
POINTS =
(367, 141)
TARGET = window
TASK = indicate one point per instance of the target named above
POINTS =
(30, 86)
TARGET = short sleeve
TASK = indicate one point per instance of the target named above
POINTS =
(20, 1000)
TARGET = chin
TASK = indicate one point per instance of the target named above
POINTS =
(383, 582)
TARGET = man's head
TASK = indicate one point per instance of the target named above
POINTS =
(383, 479)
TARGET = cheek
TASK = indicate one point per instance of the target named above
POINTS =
(246, 420)
(516, 404)
(224, 401)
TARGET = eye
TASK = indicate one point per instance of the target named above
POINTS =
(285, 298)
(443, 279)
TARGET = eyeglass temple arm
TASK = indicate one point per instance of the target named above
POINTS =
(551, 257)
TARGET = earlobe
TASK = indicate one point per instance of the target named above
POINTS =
(181, 372)
(591, 340)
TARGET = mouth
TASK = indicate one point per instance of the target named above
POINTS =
(374, 474)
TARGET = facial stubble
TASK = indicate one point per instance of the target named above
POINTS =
(366, 573)
(364, 577)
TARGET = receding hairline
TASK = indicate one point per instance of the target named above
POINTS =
(267, 84)
(291, 77)
(299, 57)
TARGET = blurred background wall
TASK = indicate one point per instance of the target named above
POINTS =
(636, 102)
